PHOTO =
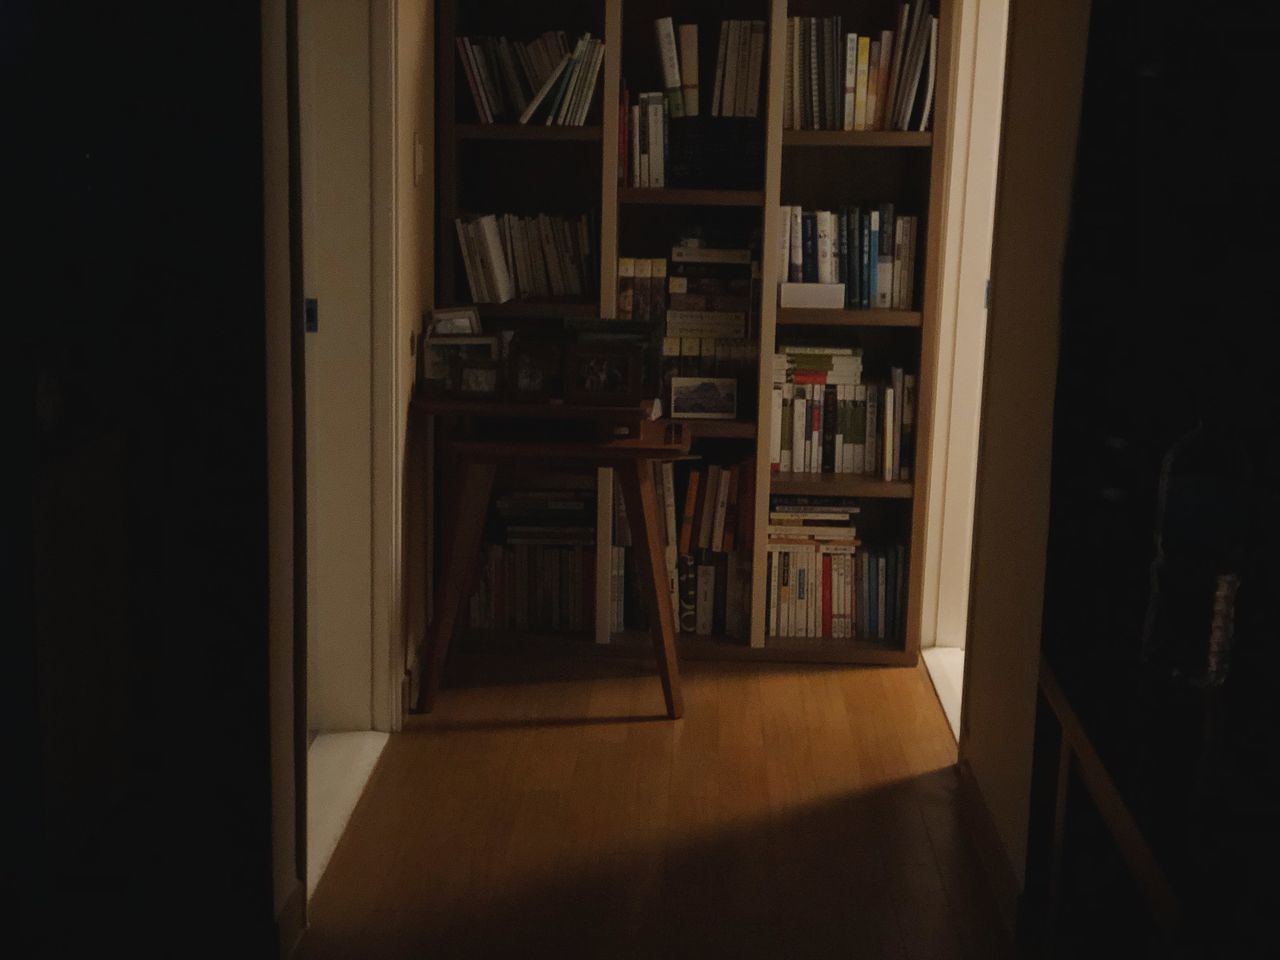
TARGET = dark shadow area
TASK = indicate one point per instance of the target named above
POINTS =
(884, 874)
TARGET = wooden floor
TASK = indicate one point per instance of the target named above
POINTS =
(547, 809)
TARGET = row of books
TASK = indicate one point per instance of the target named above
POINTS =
(851, 257)
(703, 511)
(699, 291)
(830, 589)
(507, 256)
(539, 573)
(824, 419)
(535, 587)
(847, 81)
(512, 80)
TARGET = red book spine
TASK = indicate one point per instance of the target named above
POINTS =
(826, 596)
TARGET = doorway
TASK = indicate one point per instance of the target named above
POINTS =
(973, 152)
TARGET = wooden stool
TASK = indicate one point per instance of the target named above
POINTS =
(632, 460)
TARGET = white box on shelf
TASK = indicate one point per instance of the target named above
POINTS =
(822, 296)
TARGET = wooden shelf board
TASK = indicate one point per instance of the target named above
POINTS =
(839, 485)
(518, 132)
(733, 429)
(813, 317)
(775, 650)
(539, 309)
(857, 138)
(691, 197)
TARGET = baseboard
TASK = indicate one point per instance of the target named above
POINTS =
(1001, 876)
(292, 922)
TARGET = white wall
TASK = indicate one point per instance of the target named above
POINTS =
(334, 82)
(970, 213)
(1047, 41)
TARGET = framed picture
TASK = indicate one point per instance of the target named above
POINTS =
(704, 398)
(455, 322)
(441, 356)
(477, 377)
(605, 373)
(533, 368)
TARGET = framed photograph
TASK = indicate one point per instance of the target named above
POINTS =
(477, 377)
(533, 368)
(455, 322)
(441, 356)
(605, 373)
(704, 398)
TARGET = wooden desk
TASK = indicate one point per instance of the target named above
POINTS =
(597, 444)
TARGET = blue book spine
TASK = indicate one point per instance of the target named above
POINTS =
(809, 243)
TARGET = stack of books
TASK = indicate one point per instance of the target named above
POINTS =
(512, 81)
(847, 81)
(824, 419)
(539, 257)
(820, 584)
(853, 258)
(642, 289)
(702, 512)
(712, 305)
(541, 575)
(809, 567)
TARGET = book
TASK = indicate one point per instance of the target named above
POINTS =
(812, 295)
(670, 62)
(689, 68)
(626, 287)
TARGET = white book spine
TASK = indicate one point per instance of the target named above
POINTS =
(775, 428)
(728, 106)
(850, 79)
(664, 29)
(826, 254)
(657, 159)
(717, 91)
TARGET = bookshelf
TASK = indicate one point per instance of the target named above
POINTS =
(571, 169)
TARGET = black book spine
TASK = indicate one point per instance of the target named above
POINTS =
(809, 238)
(829, 410)
(687, 588)
(720, 604)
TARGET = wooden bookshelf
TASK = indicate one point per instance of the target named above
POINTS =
(516, 132)
(810, 167)
(813, 317)
(669, 196)
(857, 138)
(539, 309)
(721, 429)
(840, 485)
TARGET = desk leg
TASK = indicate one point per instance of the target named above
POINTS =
(641, 499)
(473, 502)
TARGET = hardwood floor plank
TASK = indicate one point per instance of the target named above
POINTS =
(798, 811)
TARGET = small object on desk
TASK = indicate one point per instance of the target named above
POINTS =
(603, 373)
(533, 367)
(477, 377)
(455, 322)
(704, 398)
(442, 356)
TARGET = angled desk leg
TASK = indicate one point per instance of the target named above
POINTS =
(464, 553)
(641, 499)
